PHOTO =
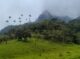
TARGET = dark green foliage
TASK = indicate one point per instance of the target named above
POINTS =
(22, 35)
(4, 38)
(54, 29)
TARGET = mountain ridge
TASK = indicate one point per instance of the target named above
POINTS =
(47, 15)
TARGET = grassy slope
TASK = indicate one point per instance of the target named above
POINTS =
(39, 50)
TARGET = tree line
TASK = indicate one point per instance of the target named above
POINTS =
(54, 29)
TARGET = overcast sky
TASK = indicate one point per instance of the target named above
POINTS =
(64, 7)
(15, 8)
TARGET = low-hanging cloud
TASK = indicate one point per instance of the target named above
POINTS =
(63, 7)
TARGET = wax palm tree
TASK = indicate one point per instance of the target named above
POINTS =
(10, 17)
(26, 19)
(7, 21)
(14, 21)
(19, 18)
(30, 17)
(22, 15)
(13, 31)
(20, 21)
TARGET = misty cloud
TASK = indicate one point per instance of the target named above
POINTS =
(63, 7)
(35, 7)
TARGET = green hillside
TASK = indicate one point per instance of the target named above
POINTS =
(38, 49)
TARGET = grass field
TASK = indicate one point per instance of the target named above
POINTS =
(39, 49)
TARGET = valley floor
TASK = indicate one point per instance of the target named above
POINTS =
(38, 49)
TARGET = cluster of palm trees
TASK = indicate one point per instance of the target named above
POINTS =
(20, 19)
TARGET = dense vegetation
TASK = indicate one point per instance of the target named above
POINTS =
(54, 29)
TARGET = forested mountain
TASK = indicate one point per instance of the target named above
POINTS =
(54, 29)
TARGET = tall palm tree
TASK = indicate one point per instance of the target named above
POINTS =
(26, 18)
(20, 21)
(30, 17)
(22, 15)
(14, 21)
(19, 18)
(12, 27)
(10, 17)
(7, 21)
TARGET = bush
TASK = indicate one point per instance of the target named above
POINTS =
(4, 38)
